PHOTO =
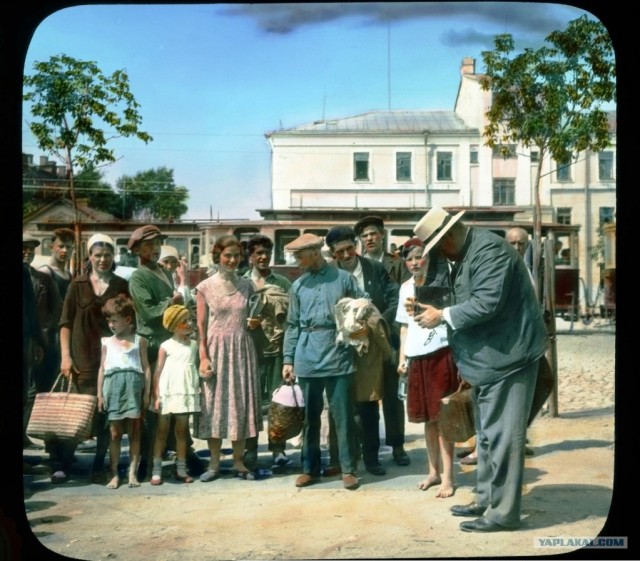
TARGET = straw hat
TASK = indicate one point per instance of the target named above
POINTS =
(434, 225)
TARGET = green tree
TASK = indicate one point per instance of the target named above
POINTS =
(76, 111)
(152, 194)
(100, 195)
(551, 98)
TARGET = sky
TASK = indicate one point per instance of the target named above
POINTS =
(212, 79)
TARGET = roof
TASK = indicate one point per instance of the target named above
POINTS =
(400, 121)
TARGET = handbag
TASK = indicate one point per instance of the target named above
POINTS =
(456, 420)
(286, 413)
(63, 415)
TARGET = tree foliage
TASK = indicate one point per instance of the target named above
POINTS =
(551, 98)
(76, 111)
(152, 194)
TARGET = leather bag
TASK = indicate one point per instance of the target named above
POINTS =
(456, 415)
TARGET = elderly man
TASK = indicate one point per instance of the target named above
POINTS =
(519, 238)
(497, 336)
(311, 355)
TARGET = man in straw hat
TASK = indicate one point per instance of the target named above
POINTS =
(311, 354)
(497, 335)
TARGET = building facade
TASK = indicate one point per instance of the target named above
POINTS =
(382, 161)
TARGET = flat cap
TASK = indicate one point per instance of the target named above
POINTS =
(368, 221)
(339, 234)
(147, 232)
(305, 241)
(30, 240)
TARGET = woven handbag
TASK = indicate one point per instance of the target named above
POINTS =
(63, 415)
(456, 416)
(286, 413)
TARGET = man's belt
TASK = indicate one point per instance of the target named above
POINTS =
(317, 328)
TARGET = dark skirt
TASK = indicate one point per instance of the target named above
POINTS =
(430, 378)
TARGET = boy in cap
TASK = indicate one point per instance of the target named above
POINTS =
(311, 355)
(497, 335)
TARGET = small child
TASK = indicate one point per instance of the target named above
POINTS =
(176, 390)
(124, 382)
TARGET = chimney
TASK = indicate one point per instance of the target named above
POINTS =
(468, 66)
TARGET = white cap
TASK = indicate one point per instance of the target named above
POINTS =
(168, 251)
(100, 238)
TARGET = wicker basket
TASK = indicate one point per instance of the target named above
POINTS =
(62, 415)
(285, 421)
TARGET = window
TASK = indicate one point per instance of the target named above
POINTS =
(506, 151)
(535, 155)
(473, 154)
(605, 166)
(504, 191)
(403, 166)
(563, 215)
(361, 166)
(606, 215)
(444, 166)
(563, 171)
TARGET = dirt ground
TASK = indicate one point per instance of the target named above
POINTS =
(567, 493)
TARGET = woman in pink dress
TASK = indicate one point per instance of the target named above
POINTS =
(230, 406)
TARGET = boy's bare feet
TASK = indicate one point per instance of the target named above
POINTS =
(430, 481)
(114, 483)
(133, 481)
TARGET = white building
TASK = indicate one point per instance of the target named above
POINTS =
(403, 159)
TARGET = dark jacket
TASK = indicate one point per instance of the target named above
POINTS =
(498, 325)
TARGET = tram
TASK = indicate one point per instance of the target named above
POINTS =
(285, 226)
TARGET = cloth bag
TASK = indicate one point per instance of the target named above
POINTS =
(456, 415)
(286, 413)
(63, 415)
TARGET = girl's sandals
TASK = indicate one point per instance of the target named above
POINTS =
(156, 480)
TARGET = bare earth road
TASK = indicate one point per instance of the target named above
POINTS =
(568, 493)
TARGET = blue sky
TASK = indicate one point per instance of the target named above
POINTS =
(212, 79)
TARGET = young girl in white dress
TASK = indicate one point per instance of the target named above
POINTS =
(124, 381)
(176, 390)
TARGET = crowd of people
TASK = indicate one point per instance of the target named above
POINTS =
(169, 362)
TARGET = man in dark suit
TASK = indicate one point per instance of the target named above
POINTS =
(382, 290)
(497, 335)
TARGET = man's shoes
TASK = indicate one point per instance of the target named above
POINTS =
(350, 481)
(306, 479)
(400, 456)
(469, 461)
(483, 524)
(376, 469)
(331, 471)
(473, 509)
